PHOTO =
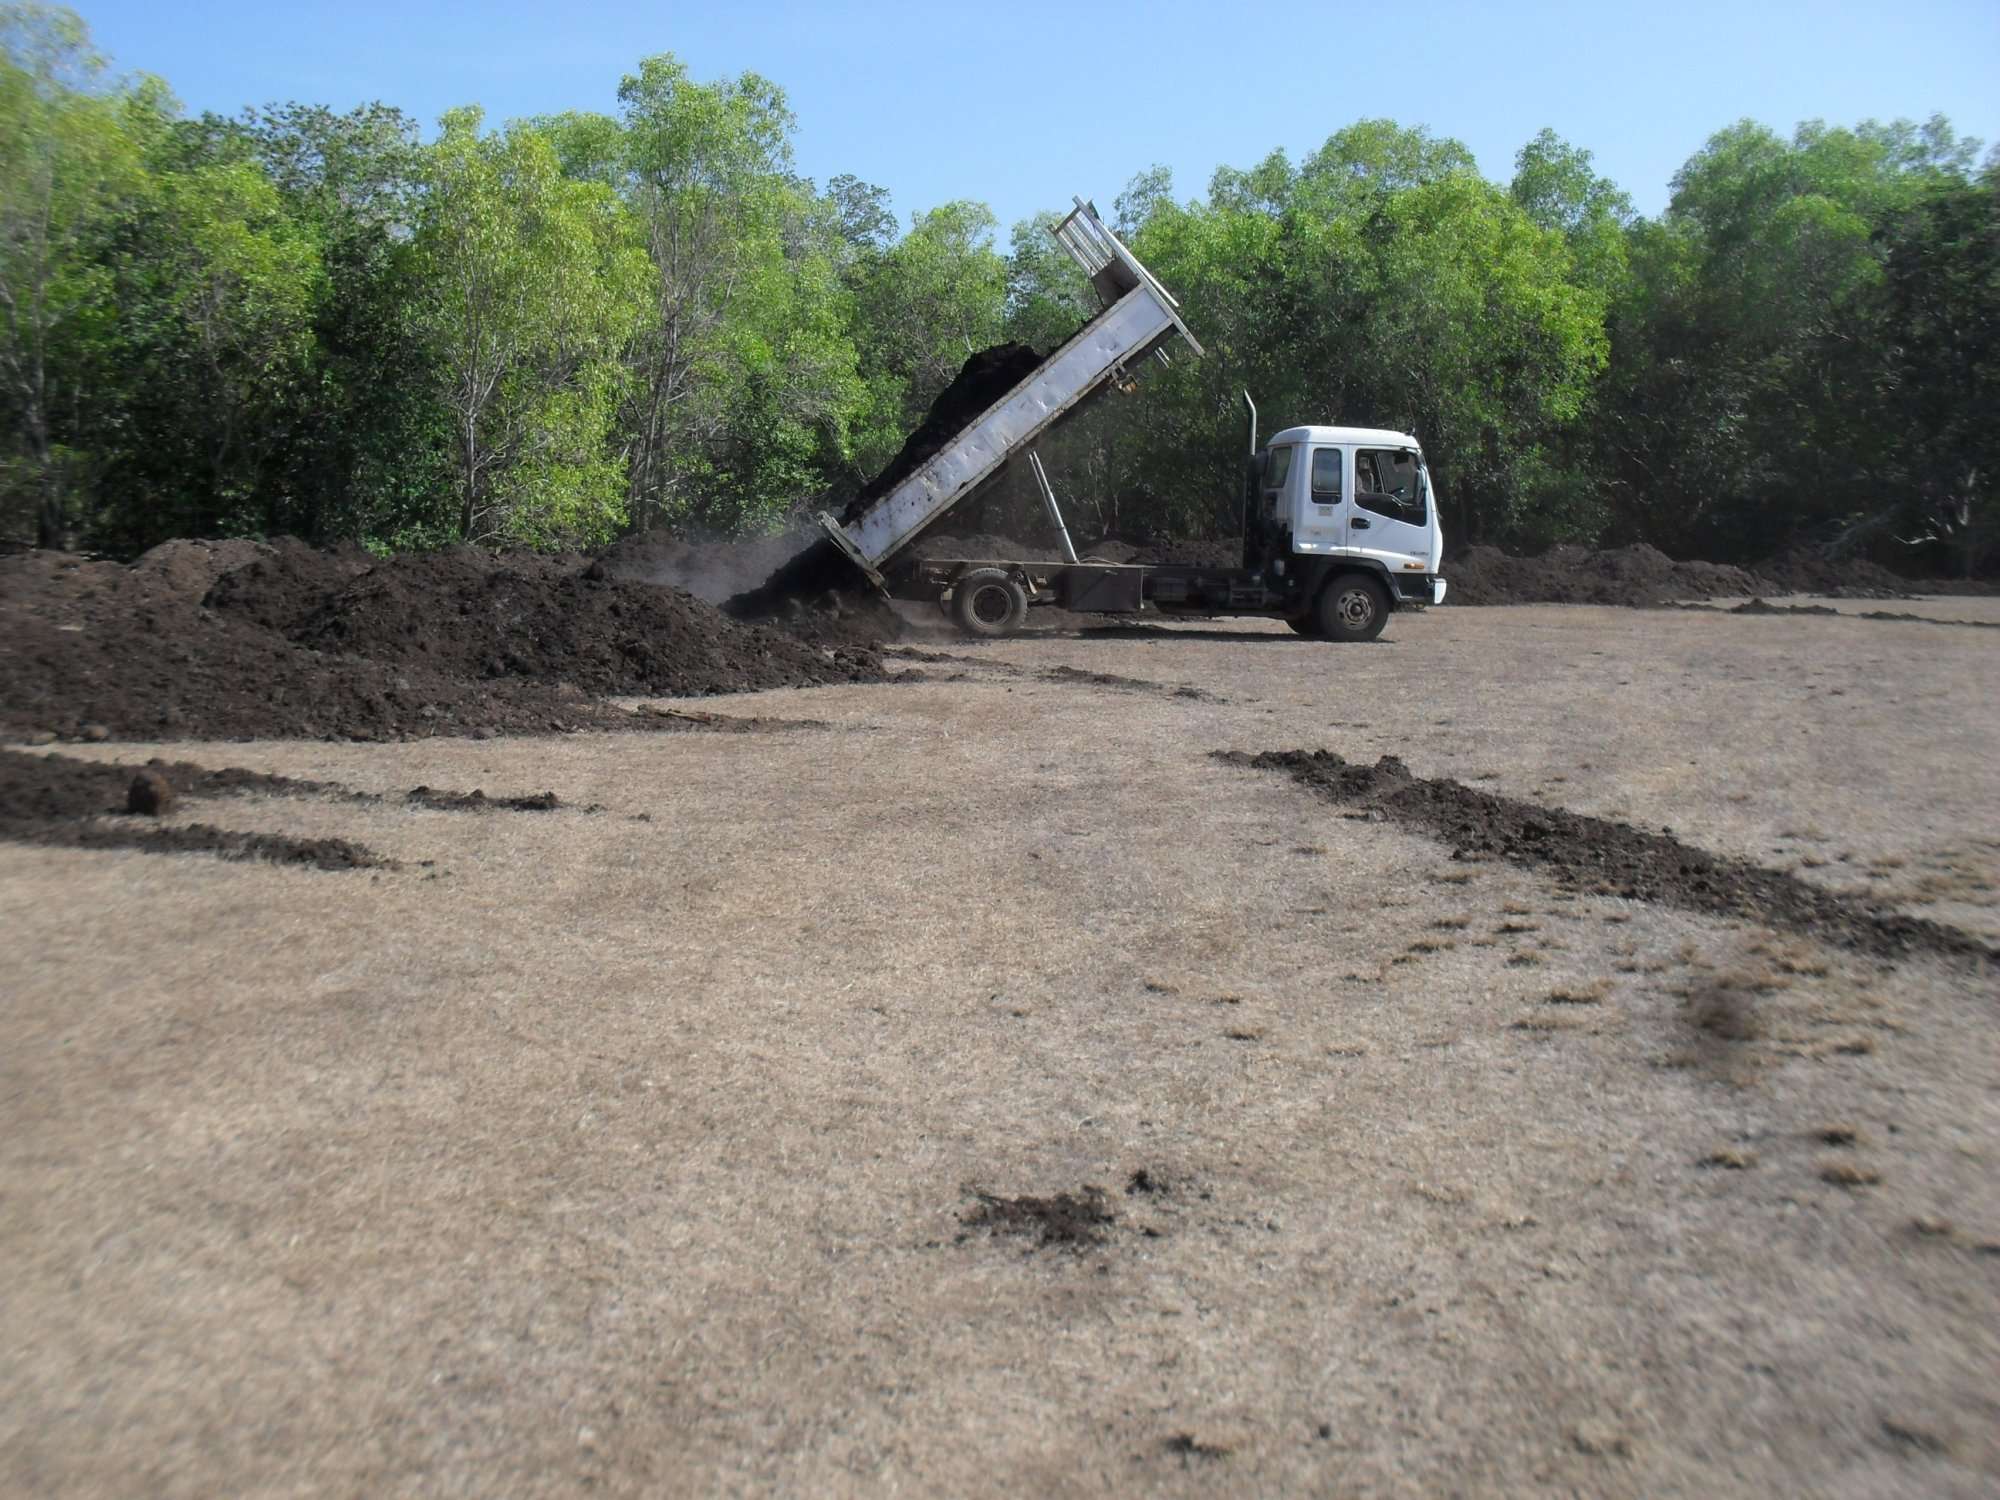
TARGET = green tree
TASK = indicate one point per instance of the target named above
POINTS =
(1730, 422)
(936, 296)
(530, 285)
(708, 167)
(1382, 284)
(71, 149)
(366, 450)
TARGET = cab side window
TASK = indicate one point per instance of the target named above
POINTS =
(1388, 482)
(1326, 476)
(1277, 469)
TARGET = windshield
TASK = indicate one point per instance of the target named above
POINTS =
(1390, 482)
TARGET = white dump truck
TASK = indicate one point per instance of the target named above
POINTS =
(1340, 524)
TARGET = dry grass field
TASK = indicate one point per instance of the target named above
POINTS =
(638, 1147)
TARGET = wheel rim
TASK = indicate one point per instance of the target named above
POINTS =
(991, 604)
(1356, 608)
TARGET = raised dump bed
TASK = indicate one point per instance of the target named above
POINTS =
(1138, 319)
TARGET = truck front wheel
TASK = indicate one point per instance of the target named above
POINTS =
(988, 602)
(1353, 607)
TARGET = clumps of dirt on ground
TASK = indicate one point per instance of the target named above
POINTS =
(1188, 1448)
(1635, 575)
(982, 380)
(477, 801)
(1763, 607)
(1602, 857)
(693, 719)
(55, 801)
(1067, 1220)
(1075, 676)
(298, 643)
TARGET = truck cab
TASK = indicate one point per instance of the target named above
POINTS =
(1330, 501)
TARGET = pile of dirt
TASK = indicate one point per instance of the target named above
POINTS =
(191, 568)
(1645, 576)
(818, 596)
(984, 546)
(1601, 857)
(296, 643)
(1187, 552)
(1635, 575)
(1804, 571)
(982, 380)
(468, 614)
(279, 589)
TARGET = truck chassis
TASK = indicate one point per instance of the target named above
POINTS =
(991, 596)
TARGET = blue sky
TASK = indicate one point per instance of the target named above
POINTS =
(1021, 103)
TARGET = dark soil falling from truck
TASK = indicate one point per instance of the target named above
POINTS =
(981, 381)
(818, 592)
(1596, 856)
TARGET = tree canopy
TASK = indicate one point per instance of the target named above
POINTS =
(547, 331)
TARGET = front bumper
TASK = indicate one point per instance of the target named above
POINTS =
(1416, 590)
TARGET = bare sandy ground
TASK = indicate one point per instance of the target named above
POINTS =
(630, 1151)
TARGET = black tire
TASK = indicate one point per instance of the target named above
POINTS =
(988, 602)
(1353, 607)
(1305, 625)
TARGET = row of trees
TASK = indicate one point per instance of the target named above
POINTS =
(566, 327)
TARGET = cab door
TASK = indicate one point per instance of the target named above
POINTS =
(1390, 516)
(1321, 524)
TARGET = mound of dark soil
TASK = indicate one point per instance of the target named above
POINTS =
(1602, 857)
(1804, 571)
(1645, 576)
(191, 568)
(468, 614)
(981, 380)
(1635, 575)
(1189, 552)
(819, 596)
(984, 547)
(304, 644)
(278, 590)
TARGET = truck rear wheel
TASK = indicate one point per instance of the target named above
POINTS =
(988, 602)
(1353, 607)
